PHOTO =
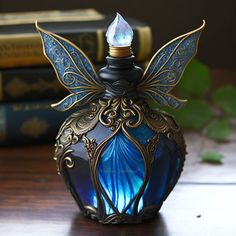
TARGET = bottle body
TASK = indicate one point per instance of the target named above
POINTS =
(119, 159)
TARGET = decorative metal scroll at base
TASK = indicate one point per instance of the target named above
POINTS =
(146, 214)
(116, 116)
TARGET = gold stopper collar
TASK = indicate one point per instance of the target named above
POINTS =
(120, 51)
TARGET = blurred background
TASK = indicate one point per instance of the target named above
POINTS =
(29, 86)
(167, 20)
(209, 82)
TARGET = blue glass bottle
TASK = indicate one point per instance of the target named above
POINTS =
(119, 159)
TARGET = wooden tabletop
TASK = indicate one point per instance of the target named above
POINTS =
(35, 202)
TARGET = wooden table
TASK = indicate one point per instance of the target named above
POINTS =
(35, 202)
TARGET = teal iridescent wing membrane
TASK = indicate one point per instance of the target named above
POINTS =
(73, 68)
(167, 66)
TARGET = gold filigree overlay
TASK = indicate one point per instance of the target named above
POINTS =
(90, 145)
(117, 114)
(118, 111)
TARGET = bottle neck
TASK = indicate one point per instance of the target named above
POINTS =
(120, 76)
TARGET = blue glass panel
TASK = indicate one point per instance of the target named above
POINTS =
(121, 171)
(142, 133)
(79, 175)
(79, 150)
(81, 182)
(175, 162)
(100, 133)
(164, 170)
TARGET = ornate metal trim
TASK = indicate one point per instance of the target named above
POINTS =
(117, 115)
(118, 111)
(71, 131)
(162, 122)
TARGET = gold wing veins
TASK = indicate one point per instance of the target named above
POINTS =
(73, 68)
(167, 66)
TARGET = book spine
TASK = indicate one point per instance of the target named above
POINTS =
(20, 50)
(33, 83)
(30, 84)
(32, 122)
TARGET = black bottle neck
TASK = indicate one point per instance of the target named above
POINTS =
(120, 77)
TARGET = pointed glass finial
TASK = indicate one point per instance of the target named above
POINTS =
(119, 33)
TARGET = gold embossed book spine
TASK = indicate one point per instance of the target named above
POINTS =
(119, 159)
(20, 45)
(29, 122)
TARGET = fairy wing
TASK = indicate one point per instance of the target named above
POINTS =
(73, 68)
(167, 66)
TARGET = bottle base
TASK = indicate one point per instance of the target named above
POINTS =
(148, 214)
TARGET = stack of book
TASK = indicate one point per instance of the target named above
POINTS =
(28, 84)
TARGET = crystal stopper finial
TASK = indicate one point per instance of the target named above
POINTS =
(119, 33)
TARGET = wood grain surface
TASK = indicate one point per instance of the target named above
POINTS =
(35, 202)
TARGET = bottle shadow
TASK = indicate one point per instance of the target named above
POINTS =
(87, 227)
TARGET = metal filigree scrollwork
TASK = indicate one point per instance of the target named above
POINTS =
(119, 115)
(63, 143)
(162, 122)
(82, 121)
(118, 111)
(69, 162)
(152, 143)
(71, 132)
(152, 146)
(90, 145)
(157, 121)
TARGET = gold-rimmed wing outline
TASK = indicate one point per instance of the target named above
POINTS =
(73, 68)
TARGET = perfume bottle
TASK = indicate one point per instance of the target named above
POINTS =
(119, 159)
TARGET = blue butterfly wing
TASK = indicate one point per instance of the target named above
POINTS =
(167, 66)
(74, 70)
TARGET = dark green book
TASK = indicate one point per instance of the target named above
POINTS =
(29, 122)
(33, 83)
(28, 84)
(20, 44)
